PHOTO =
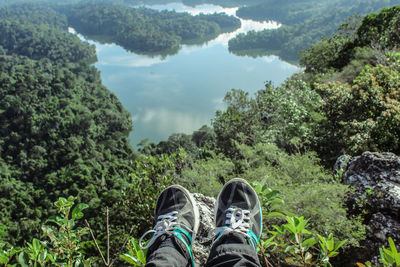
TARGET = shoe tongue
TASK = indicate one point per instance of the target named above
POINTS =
(174, 200)
(240, 199)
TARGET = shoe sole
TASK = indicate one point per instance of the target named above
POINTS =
(195, 208)
(225, 185)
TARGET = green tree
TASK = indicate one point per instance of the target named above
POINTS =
(363, 116)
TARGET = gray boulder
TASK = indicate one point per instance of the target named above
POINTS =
(376, 178)
(202, 243)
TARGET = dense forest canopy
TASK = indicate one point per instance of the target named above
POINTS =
(146, 30)
(33, 13)
(304, 23)
(41, 41)
(62, 131)
(225, 3)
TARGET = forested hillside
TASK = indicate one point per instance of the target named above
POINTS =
(42, 41)
(304, 23)
(146, 30)
(32, 13)
(63, 139)
(62, 132)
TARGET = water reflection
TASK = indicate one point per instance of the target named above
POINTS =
(247, 25)
(140, 59)
(196, 10)
(162, 120)
(113, 55)
(180, 93)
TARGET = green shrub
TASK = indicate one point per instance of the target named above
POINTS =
(207, 176)
(306, 188)
(364, 116)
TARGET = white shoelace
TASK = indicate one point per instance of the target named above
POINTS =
(237, 220)
(165, 225)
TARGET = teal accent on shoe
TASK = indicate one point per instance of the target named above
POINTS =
(177, 232)
(261, 224)
(220, 233)
(183, 231)
(253, 237)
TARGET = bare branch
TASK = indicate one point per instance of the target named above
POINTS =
(95, 242)
(108, 239)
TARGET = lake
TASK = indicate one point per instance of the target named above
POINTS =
(180, 93)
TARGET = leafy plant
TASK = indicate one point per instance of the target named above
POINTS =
(136, 255)
(300, 240)
(35, 254)
(329, 248)
(66, 238)
(269, 200)
(390, 257)
(295, 244)
(7, 254)
(65, 247)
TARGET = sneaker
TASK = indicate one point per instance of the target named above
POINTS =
(176, 215)
(238, 210)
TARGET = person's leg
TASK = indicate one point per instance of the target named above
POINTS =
(175, 226)
(238, 220)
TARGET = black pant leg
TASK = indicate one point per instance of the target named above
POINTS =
(166, 253)
(232, 250)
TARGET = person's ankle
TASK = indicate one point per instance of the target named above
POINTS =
(170, 241)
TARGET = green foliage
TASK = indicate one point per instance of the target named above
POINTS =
(38, 42)
(365, 115)
(66, 245)
(150, 176)
(290, 113)
(305, 187)
(35, 254)
(359, 42)
(390, 257)
(329, 247)
(66, 237)
(54, 143)
(175, 142)
(207, 175)
(204, 137)
(287, 12)
(240, 123)
(269, 199)
(62, 131)
(305, 22)
(198, 145)
(293, 243)
(136, 256)
(34, 13)
(285, 115)
(7, 254)
(380, 27)
(326, 54)
(147, 30)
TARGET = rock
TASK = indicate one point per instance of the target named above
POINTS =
(202, 243)
(341, 165)
(382, 226)
(376, 178)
